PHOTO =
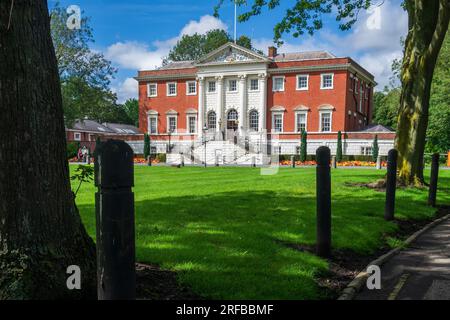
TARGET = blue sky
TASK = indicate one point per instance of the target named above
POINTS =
(137, 34)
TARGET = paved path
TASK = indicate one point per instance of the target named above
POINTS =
(420, 272)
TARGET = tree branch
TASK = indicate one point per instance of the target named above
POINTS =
(441, 29)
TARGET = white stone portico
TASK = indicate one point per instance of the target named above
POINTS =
(232, 80)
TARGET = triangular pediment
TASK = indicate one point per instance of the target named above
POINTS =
(231, 53)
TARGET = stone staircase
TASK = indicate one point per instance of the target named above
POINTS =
(217, 153)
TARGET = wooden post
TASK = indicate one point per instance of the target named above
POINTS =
(323, 195)
(391, 185)
(114, 204)
(333, 162)
(433, 180)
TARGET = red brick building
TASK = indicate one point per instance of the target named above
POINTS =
(235, 94)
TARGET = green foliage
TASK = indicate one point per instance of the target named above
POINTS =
(438, 133)
(386, 106)
(131, 108)
(85, 75)
(83, 173)
(75, 58)
(339, 147)
(193, 47)
(146, 145)
(375, 149)
(304, 16)
(81, 100)
(72, 149)
(304, 146)
(386, 103)
(161, 157)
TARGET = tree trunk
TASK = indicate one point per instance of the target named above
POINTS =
(41, 233)
(428, 24)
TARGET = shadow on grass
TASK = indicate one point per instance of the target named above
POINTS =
(227, 245)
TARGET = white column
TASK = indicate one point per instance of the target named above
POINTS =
(201, 106)
(220, 107)
(243, 104)
(264, 111)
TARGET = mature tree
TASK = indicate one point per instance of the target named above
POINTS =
(387, 102)
(386, 107)
(193, 47)
(131, 107)
(339, 147)
(85, 75)
(428, 21)
(75, 58)
(438, 134)
(81, 100)
(41, 233)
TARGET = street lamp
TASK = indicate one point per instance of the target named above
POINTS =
(205, 129)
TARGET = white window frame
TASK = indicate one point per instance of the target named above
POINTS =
(188, 83)
(296, 120)
(77, 136)
(322, 81)
(274, 79)
(149, 131)
(250, 120)
(365, 149)
(168, 89)
(149, 95)
(250, 84)
(168, 123)
(307, 82)
(215, 87)
(361, 97)
(320, 120)
(229, 86)
(277, 113)
(189, 123)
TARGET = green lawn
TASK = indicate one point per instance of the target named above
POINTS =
(219, 227)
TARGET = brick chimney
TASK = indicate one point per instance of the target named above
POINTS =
(272, 52)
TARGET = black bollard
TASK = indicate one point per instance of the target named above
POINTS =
(149, 161)
(433, 180)
(293, 161)
(114, 204)
(323, 193)
(391, 184)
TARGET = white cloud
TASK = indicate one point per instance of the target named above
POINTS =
(126, 90)
(374, 49)
(134, 55)
(205, 24)
(141, 56)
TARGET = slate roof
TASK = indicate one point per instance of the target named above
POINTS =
(377, 128)
(178, 65)
(90, 125)
(106, 128)
(300, 56)
(122, 128)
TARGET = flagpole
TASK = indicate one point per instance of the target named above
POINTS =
(235, 22)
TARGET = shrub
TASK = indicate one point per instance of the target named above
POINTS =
(304, 147)
(72, 149)
(146, 146)
(339, 147)
(375, 149)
